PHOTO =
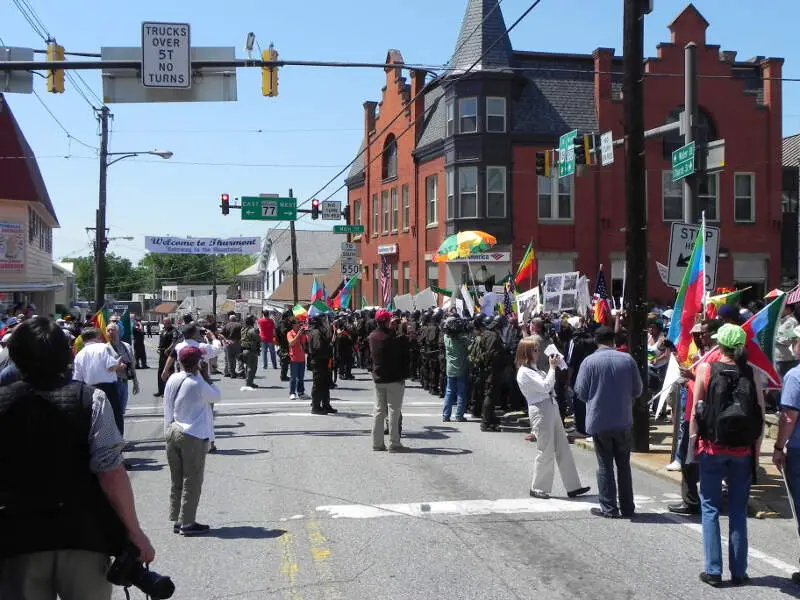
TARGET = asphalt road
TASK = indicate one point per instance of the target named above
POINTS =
(302, 509)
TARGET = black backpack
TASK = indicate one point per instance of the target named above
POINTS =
(730, 415)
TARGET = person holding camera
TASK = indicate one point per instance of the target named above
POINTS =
(189, 429)
(125, 353)
(67, 502)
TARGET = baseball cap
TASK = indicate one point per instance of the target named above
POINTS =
(190, 354)
(383, 316)
(727, 311)
(730, 336)
(12, 321)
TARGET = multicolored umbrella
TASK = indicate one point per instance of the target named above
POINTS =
(464, 244)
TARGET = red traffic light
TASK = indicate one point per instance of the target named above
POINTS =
(315, 209)
(225, 204)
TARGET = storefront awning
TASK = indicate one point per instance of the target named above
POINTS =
(43, 286)
(165, 308)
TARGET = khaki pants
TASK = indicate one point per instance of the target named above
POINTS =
(552, 447)
(186, 456)
(388, 397)
(69, 574)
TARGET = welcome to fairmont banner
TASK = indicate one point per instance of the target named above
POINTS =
(176, 245)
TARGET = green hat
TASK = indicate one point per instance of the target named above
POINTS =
(730, 336)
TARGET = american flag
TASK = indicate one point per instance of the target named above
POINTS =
(600, 290)
(386, 282)
(793, 297)
(600, 308)
(507, 295)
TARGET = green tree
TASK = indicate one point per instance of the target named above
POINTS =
(122, 278)
(230, 265)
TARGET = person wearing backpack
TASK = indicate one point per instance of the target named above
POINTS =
(727, 424)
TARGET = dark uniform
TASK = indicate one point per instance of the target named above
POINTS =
(343, 345)
(320, 353)
(494, 357)
(412, 330)
(165, 343)
(477, 368)
(281, 331)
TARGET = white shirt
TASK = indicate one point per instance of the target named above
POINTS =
(207, 350)
(187, 403)
(92, 364)
(535, 385)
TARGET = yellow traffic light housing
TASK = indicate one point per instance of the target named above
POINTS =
(55, 77)
(269, 75)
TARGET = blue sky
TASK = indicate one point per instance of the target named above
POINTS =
(315, 126)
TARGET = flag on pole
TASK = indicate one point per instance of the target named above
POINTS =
(690, 297)
(100, 322)
(300, 313)
(386, 282)
(764, 325)
(364, 303)
(317, 293)
(507, 300)
(713, 303)
(125, 327)
(600, 308)
(342, 299)
(318, 307)
(527, 267)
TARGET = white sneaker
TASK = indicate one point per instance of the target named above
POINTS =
(292, 396)
(674, 466)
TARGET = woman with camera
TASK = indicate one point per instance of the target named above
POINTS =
(552, 446)
(125, 353)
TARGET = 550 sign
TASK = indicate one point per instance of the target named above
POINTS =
(351, 270)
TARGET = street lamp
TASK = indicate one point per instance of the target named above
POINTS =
(100, 241)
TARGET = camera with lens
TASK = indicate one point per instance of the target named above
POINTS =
(127, 570)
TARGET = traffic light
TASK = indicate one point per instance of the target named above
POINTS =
(543, 163)
(55, 77)
(315, 209)
(269, 75)
(225, 204)
(583, 149)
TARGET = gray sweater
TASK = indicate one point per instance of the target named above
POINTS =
(608, 381)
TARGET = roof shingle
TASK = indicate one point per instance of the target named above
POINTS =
(483, 25)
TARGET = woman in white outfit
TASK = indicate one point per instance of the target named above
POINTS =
(552, 445)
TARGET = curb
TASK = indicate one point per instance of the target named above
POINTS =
(755, 508)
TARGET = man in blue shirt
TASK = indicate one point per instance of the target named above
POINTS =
(786, 455)
(608, 382)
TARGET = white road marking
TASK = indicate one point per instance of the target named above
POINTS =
(263, 415)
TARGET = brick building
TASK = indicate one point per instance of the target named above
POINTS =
(457, 152)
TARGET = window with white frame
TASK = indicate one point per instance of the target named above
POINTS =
(708, 196)
(406, 207)
(451, 193)
(672, 197)
(450, 107)
(467, 192)
(495, 192)
(395, 213)
(376, 215)
(357, 212)
(556, 198)
(468, 115)
(495, 115)
(744, 197)
(431, 198)
(385, 211)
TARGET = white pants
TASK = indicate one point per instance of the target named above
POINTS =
(388, 399)
(552, 447)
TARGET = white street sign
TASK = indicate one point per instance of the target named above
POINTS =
(331, 210)
(349, 252)
(351, 270)
(681, 243)
(166, 52)
(607, 148)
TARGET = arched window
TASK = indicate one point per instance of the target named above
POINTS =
(389, 168)
(706, 131)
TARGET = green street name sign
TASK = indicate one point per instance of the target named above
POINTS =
(683, 161)
(566, 153)
(256, 208)
(352, 229)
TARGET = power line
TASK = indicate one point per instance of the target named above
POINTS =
(249, 131)
(61, 125)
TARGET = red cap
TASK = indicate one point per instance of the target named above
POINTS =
(383, 315)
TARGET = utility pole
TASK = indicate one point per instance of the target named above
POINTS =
(636, 234)
(214, 284)
(295, 294)
(690, 130)
(100, 232)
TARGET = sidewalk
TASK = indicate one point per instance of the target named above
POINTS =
(767, 496)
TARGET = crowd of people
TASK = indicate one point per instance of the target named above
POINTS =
(570, 375)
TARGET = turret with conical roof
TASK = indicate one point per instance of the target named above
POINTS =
(482, 28)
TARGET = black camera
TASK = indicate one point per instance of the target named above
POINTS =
(127, 570)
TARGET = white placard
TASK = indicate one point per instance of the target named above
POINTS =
(607, 148)
(560, 292)
(425, 299)
(681, 244)
(331, 210)
(529, 302)
(166, 52)
(351, 270)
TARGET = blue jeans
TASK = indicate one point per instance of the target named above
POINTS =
(792, 474)
(297, 373)
(614, 448)
(122, 391)
(456, 388)
(738, 471)
(682, 447)
(268, 347)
